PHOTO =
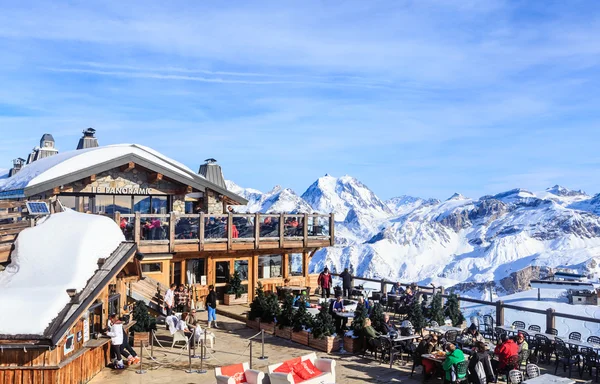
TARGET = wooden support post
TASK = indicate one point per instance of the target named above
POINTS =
(331, 230)
(183, 272)
(118, 217)
(305, 260)
(550, 319)
(254, 272)
(256, 230)
(281, 229)
(499, 313)
(539, 295)
(229, 225)
(201, 232)
(286, 265)
(305, 230)
(383, 287)
(137, 228)
(172, 222)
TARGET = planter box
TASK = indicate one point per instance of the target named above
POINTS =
(285, 333)
(327, 344)
(231, 300)
(254, 324)
(268, 327)
(300, 337)
(352, 345)
(141, 338)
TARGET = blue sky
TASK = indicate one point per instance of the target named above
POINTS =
(424, 97)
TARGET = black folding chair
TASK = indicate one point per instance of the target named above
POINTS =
(518, 324)
(535, 328)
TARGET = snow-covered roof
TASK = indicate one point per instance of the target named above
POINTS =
(49, 172)
(60, 253)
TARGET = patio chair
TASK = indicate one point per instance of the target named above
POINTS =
(450, 336)
(237, 373)
(488, 327)
(552, 331)
(460, 369)
(590, 361)
(535, 328)
(518, 324)
(180, 337)
(532, 371)
(515, 377)
(511, 364)
(593, 339)
(523, 358)
(543, 349)
(433, 324)
(575, 336)
(564, 356)
(384, 346)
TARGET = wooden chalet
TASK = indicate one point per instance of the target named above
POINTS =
(179, 219)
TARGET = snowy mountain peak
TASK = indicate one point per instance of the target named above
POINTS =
(404, 204)
(457, 196)
(562, 191)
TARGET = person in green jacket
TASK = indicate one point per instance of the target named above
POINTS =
(370, 332)
(453, 357)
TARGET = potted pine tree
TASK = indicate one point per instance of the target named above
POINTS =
(236, 294)
(354, 343)
(144, 323)
(436, 311)
(303, 321)
(322, 332)
(452, 310)
(415, 316)
(257, 307)
(269, 313)
(285, 319)
(377, 317)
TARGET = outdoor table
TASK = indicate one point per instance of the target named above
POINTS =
(583, 344)
(531, 333)
(397, 340)
(437, 360)
(347, 315)
(549, 379)
(443, 329)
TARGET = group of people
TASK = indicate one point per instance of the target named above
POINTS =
(325, 282)
(178, 299)
(120, 343)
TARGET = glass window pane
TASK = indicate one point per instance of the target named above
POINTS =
(87, 203)
(269, 266)
(151, 267)
(68, 202)
(295, 264)
(241, 266)
(141, 204)
(195, 270)
(122, 204)
(222, 271)
(159, 205)
(104, 204)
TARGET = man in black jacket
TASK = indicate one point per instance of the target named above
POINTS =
(211, 306)
(346, 282)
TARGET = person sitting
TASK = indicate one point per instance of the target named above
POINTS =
(505, 350)
(453, 357)
(425, 347)
(337, 306)
(396, 289)
(302, 298)
(480, 367)
(472, 335)
(387, 325)
(409, 297)
(369, 332)
(522, 343)
(367, 305)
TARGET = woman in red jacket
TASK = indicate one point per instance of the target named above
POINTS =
(505, 350)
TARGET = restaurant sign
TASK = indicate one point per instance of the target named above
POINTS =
(122, 191)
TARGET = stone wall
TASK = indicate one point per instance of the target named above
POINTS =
(211, 204)
(135, 179)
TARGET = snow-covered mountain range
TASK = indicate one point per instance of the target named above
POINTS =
(446, 242)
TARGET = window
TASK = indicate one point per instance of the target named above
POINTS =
(95, 320)
(86, 203)
(68, 202)
(241, 266)
(151, 267)
(196, 268)
(159, 205)
(295, 264)
(222, 271)
(141, 204)
(269, 266)
(104, 204)
(114, 305)
(122, 204)
(189, 207)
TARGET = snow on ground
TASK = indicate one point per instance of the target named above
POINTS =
(551, 298)
(59, 254)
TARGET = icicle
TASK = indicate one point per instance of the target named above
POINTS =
(24, 349)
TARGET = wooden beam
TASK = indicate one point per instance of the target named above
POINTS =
(332, 230)
(90, 179)
(154, 177)
(56, 191)
(127, 167)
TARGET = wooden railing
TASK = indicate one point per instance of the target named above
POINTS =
(231, 229)
(499, 306)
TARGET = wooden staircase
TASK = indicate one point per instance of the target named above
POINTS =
(150, 292)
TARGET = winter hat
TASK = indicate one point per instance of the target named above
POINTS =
(472, 327)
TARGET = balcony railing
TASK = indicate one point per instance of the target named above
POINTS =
(283, 230)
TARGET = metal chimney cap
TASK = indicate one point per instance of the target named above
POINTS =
(71, 292)
(210, 160)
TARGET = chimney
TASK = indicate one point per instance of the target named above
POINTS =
(17, 165)
(88, 140)
(73, 295)
(101, 262)
(212, 172)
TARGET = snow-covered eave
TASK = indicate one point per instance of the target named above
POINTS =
(195, 181)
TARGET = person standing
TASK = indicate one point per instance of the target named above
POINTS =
(115, 332)
(181, 299)
(346, 283)
(325, 281)
(211, 306)
(169, 299)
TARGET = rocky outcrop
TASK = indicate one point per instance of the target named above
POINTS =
(519, 281)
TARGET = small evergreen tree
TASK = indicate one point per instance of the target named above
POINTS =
(436, 311)
(258, 303)
(302, 318)
(360, 314)
(323, 324)
(286, 316)
(415, 316)
(377, 317)
(271, 309)
(144, 322)
(452, 310)
(234, 287)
